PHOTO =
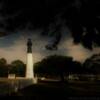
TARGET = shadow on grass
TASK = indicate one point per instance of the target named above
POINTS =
(56, 90)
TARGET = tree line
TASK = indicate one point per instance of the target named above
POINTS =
(16, 67)
(54, 65)
(62, 66)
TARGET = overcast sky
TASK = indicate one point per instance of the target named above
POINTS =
(14, 47)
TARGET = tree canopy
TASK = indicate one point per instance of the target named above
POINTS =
(57, 65)
(93, 64)
(18, 68)
(3, 61)
(3, 67)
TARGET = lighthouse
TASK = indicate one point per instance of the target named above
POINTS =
(29, 65)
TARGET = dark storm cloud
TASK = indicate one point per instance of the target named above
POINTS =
(42, 13)
(50, 16)
(38, 12)
(9, 40)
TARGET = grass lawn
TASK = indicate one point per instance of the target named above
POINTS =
(61, 90)
(54, 90)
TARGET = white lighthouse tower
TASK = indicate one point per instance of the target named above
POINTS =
(29, 65)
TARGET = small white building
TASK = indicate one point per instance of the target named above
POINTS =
(11, 76)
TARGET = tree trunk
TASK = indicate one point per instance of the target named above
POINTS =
(62, 77)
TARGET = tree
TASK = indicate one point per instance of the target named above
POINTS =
(76, 68)
(93, 64)
(56, 66)
(18, 68)
(3, 61)
(3, 68)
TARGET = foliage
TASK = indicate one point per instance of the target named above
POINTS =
(3, 68)
(18, 68)
(3, 61)
(57, 66)
(93, 64)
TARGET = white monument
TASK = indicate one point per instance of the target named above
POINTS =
(29, 65)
